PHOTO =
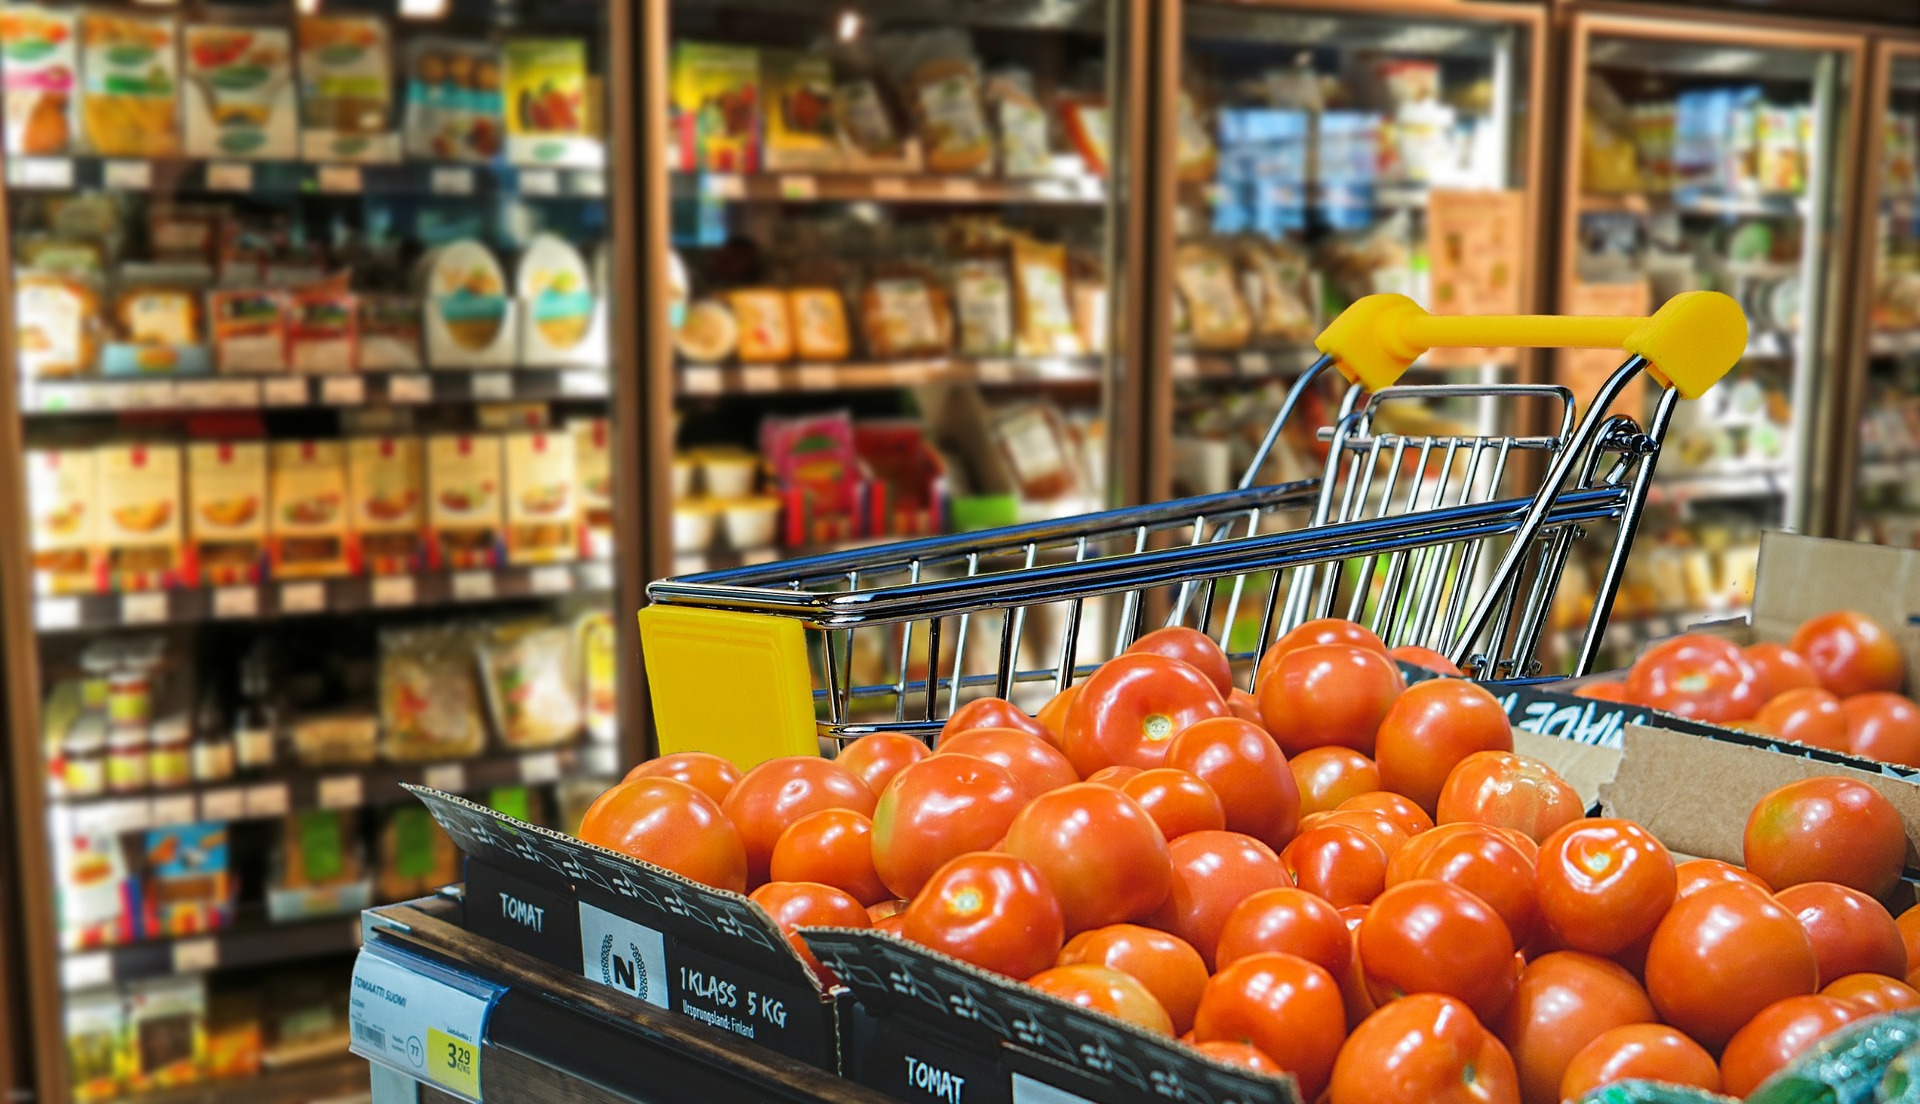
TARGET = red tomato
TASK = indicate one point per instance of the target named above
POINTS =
(1827, 830)
(1239, 1054)
(1289, 921)
(1781, 1032)
(1883, 726)
(1695, 675)
(1101, 853)
(1177, 801)
(1329, 694)
(1874, 992)
(937, 809)
(1428, 658)
(1564, 1001)
(1434, 726)
(1193, 648)
(1326, 630)
(704, 771)
(1167, 965)
(1723, 954)
(893, 906)
(1808, 715)
(1432, 937)
(796, 905)
(1395, 807)
(1850, 653)
(778, 792)
(1613, 690)
(1381, 828)
(832, 847)
(1337, 862)
(1639, 1052)
(1481, 861)
(1286, 1006)
(994, 911)
(1513, 791)
(1778, 669)
(672, 825)
(1132, 707)
(1246, 707)
(1036, 764)
(1326, 776)
(1104, 989)
(1116, 777)
(892, 925)
(1212, 872)
(1852, 933)
(1603, 883)
(991, 713)
(1353, 983)
(1053, 715)
(1247, 772)
(1425, 1049)
(1909, 924)
(878, 756)
(1695, 873)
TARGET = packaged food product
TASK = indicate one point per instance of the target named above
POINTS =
(307, 530)
(389, 333)
(127, 760)
(1044, 320)
(130, 85)
(1037, 449)
(532, 682)
(346, 89)
(1022, 124)
(80, 257)
(190, 883)
(541, 519)
(800, 127)
(338, 739)
(819, 324)
(415, 856)
(766, 330)
(157, 331)
(1280, 280)
(319, 848)
(63, 501)
(429, 701)
(1194, 150)
(97, 1052)
(709, 334)
(553, 284)
(95, 888)
(593, 480)
(139, 487)
(463, 500)
(249, 330)
(939, 77)
(599, 670)
(466, 294)
(323, 334)
(1215, 311)
(1090, 129)
(227, 519)
(167, 1019)
(56, 324)
(715, 107)
(386, 481)
(864, 126)
(192, 235)
(240, 92)
(39, 65)
(549, 119)
(983, 304)
(902, 314)
(812, 461)
(235, 1035)
(454, 104)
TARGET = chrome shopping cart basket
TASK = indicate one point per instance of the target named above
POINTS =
(1415, 534)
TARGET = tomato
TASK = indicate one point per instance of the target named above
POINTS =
(1639, 1052)
(778, 792)
(1132, 707)
(1874, 992)
(1101, 853)
(1325, 630)
(704, 771)
(1287, 920)
(1239, 1054)
(1107, 990)
(936, 809)
(994, 911)
(1326, 776)
(1778, 669)
(1037, 765)
(1808, 715)
(892, 906)
(892, 925)
(1695, 873)
(1053, 715)
(672, 825)
(1426, 657)
(1434, 726)
(1695, 675)
(1177, 801)
(832, 847)
(1850, 653)
(1193, 648)
(1166, 964)
(1499, 787)
(1564, 1001)
(991, 713)
(796, 905)
(1337, 862)
(1613, 690)
(1425, 1049)
(1909, 924)
(1481, 861)
(1723, 954)
(1329, 694)
(1603, 883)
(1353, 983)
(1212, 872)
(876, 757)
(1246, 707)
(1286, 1006)
(1883, 726)
(1395, 807)
(1433, 937)
(1852, 933)
(1246, 770)
(1827, 830)
(1378, 826)
(1781, 1032)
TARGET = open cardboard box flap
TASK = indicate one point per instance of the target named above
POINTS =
(1800, 577)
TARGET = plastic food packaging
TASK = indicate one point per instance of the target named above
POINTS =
(599, 669)
(983, 305)
(56, 324)
(240, 91)
(715, 117)
(346, 89)
(532, 683)
(750, 522)
(709, 334)
(939, 77)
(429, 700)
(692, 525)
(819, 324)
(249, 330)
(130, 74)
(1045, 319)
(1037, 448)
(167, 1023)
(1215, 311)
(42, 66)
(415, 857)
(1022, 124)
(903, 314)
(728, 473)
(800, 125)
(345, 738)
(766, 327)
(454, 110)
(227, 511)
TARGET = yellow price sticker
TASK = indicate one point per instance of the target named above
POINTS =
(453, 1064)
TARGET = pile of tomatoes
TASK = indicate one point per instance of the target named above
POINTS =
(1261, 876)
(1835, 685)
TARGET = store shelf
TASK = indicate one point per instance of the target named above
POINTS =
(1694, 202)
(329, 1079)
(1887, 343)
(58, 398)
(287, 179)
(314, 597)
(1680, 489)
(845, 187)
(706, 379)
(255, 943)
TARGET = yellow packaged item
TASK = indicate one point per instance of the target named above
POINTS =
(599, 668)
(130, 73)
(140, 490)
(593, 479)
(766, 330)
(800, 124)
(541, 523)
(904, 315)
(819, 324)
(547, 106)
(1043, 318)
(56, 324)
(227, 512)
(63, 506)
(388, 521)
(463, 500)
(1216, 313)
(307, 531)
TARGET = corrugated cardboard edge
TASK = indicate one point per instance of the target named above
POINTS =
(1586, 767)
(1799, 577)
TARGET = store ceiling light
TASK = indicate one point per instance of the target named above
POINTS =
(424, 9)
(307, 7)
(849, 25)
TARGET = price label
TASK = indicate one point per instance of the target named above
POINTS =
(110, 818)
(343, 791)
(724, 186)
(451, 777)
(219, 805)
(760, 378)
(539, 182)
(798, 187)
(996, 371)
(267, 800)
(1028, 1091)
(493, 385)
(541, 767)
(52, 614)
(193, 956)
(393, 590)
(472, 586)
(410, 388)
(308, 597)
(1185, 366)
(551, 579)
(420, 1018)
(587, 384)
(344, 179)
(702, 381)
(148, 396)
(817, 377)
(451, 182)
(596, 576)
(1255, 364)
(960, 187)
(228, 176)
(144, 608)
(215, 394)
(84, 971)
(284, 392)
(343, 390)
(128, 176)
(173, 809)
(43, 172)
(889, 187)
(590, 183)
(239, 601)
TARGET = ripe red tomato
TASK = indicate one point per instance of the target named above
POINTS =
(1289, 921)
(832, 847)
(1909, 924)
(796, 905)
(892, 925)
(1639, 1052)
(1246, 707)
(1114, 776)
(1286, 1006)
(1107, 990)
(1425, 1049)
(1132, 707)
(1513, 791)
(1613, 690)
(1481, 861)
(1426, 657)
(1827, 830)
(1850, 653)
(1337, 862)
(702, 770)
(1329, 694)
(1874, 992)
(1781, 1032)
(1353, 983)
(1852, 933)
(1325, 630)
(1246, 770)
(1603, 884)
(1053, 715)
(1378, 826)
(1212, 872)
(669, 824)
(1434, 726)
(937, 809)
(1883, 726)
(1037, 765)
(1564, 1001)
(778, 792)
(1695, 675)
(1695, 873)
(1723, 954)
(1326, 776)
(1101, 853)
(1433, 937)
(1166, 964)
(1808, 715)
(875, 758)
(1778, 669)
(994, 911)
(892, 906)
(1239, 1054)
(991, 713)
(1193, 648)
(1179, 802)
(1395, 807)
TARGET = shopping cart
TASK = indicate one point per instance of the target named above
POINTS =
(1416, 535)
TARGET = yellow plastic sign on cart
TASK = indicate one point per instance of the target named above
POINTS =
(734, 684)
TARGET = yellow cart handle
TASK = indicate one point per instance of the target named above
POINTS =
(1689, 343)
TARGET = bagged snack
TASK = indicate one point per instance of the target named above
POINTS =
(1044, 319)
(1022, 124)
(39, 64)
(532, 682)
(130, 99)
(454, 104)
(1278, 278)
(903, 314)
(240, 100)
(429, 701)
(56, 324)
(863, 123)
(715, 109)
(939, 78)
(983, 305)
(1037, 448)
(800, 125)
(1218, 317)
(766, 330)
(819, 324)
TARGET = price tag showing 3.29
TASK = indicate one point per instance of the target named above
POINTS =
(420, 1018)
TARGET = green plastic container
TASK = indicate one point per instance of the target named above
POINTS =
(1846, 1067)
